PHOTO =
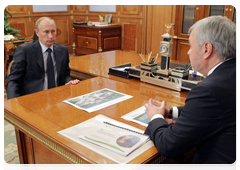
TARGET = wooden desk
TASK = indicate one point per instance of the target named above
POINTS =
(10, 46)
(92, 39)
(92, 65)
(39, 116)
(14, 43)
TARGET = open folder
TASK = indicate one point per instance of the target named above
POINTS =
(113, 137)
(109, 138)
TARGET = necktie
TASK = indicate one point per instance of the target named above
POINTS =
(50, 70)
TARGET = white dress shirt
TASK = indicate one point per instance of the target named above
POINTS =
(45, 55)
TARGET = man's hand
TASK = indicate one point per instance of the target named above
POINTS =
(76, 81)
(167, 108)
(155, 107)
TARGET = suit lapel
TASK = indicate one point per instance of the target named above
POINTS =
(58, 59)
(38, 54)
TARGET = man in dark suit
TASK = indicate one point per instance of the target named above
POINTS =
(207, 122)
(41, 64)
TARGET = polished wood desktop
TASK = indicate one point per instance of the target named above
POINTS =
(39, 116)
(92, 65)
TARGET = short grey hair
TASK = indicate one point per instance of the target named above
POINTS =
(220, 32)
(37, 26)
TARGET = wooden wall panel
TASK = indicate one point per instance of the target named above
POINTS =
(80, 19)
(115, 20)
(142, 25)
(94, 18)
(80, 9)
(129, 37)
(63, 29)
(131, 34)
(19, 10)
(23, 25)
(183, 47)
(158, 16)
(131, 9)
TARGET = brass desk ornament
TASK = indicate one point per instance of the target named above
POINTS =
(168, 27)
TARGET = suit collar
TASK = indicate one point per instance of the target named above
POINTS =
(222, 64)
(210, 72)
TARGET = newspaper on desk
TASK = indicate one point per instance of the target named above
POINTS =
(97, 100)
(121, 145)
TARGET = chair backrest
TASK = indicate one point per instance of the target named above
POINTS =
(5, 66)
(9, 48)
(9, 68)
(5, 61)
(35, 37)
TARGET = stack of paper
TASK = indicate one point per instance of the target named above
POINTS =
(101, 23)
(113, 139)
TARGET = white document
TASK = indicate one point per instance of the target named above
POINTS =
(113, 138)
(84, 128)
(97, 100)
(138, 116)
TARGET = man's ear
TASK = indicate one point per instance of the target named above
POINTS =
(36, 31)
(208, 50)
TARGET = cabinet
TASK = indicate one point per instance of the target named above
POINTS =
(91, 39)
(186, 16)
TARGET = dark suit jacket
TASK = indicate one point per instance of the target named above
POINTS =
(27, 74)
(207, 121)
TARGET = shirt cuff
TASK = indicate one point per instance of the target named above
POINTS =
(174, 113)
(157, 116)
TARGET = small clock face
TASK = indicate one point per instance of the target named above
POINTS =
(164, 48)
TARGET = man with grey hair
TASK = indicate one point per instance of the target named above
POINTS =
(207, 121)
(39, 65)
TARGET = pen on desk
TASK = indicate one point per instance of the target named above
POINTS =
(188, 67)
(149, 55)
(194, 75)
(142, 57)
